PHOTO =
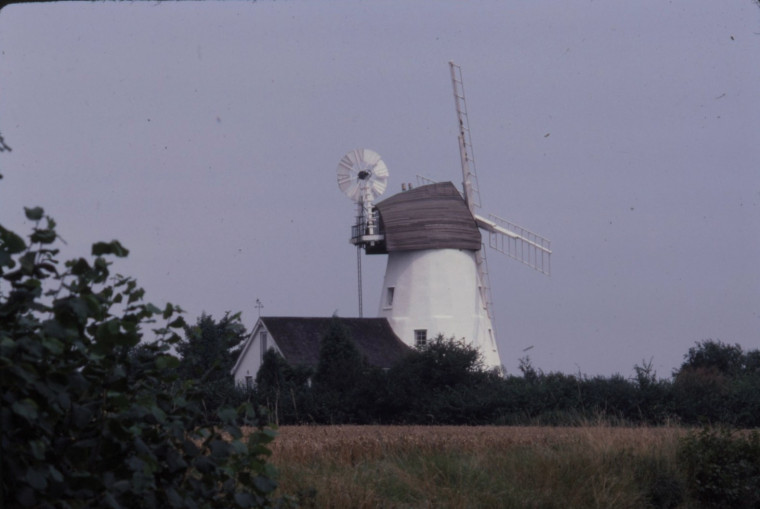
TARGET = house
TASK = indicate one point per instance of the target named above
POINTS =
(298, 340)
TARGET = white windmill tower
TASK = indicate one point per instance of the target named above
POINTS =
(436, 279)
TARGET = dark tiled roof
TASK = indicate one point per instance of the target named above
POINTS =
(434, 216)
(299, 339)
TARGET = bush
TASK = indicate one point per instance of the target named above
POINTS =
(722, 467)
(92, 418)
(442, 382)
(660, 480)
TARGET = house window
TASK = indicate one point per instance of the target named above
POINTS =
(389, 296)
(263, 337)
(248, 382)
(420, 337)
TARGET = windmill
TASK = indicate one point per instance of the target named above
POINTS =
(363, 176)
(436, 278)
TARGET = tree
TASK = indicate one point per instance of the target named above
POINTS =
(339, 365)
(714, 356)
(708, 386)
(284, 389)
(338, 375)
(90, 415)
(209, 348)
(654, 402)
(208, 352)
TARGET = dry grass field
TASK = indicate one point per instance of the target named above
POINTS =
(488, 466)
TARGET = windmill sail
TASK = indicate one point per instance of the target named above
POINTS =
(485, 281)
(518, 243)
(469, 175)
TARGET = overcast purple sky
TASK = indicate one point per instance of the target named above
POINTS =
(205, 137)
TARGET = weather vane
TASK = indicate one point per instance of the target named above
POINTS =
(259, 306)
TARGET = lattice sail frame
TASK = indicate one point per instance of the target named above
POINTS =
(470, 186)
(520, 244)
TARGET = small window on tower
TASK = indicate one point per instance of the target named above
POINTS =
(420, 337)
(389, 297)
(249, 382)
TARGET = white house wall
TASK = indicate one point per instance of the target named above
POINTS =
(251, 357)
(438, 290)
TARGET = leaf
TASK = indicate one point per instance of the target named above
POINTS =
(55, 474)
(110, 501)
(159, 414)
(234, 431)
(121, 486)
(173, 497)
(227, 415)
(238, 447)
(25, 408)
(141, 448)
(114, 247)
(136, 464)
(37, 478)
(264, 484)
(220, 450)
(80, 415)
(27, 262)
(53, 329)
(135, 295)
(38, 449)
(10, 242)
(6, 260)
(174, 461)
(75, 306)
(204, 465)
(48, 267)
(43, 236)
(166, 362)
(178, 322)
(108, 331)
(244, 499)
(118, 399)
(34, 213)
(52, 345)
(80, 267)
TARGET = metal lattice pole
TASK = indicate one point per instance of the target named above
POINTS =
(359, 277)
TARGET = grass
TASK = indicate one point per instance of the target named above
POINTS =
(488, 466)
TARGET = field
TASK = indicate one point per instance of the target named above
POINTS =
(488, 466)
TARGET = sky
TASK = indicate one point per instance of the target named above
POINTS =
(205, 137)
